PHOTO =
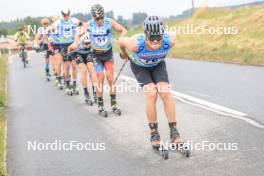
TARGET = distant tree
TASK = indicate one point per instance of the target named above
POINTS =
(110, 14)
(3, 31)
(138, 18)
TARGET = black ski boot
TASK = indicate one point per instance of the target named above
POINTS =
(114, 106)
(155, 137)
(101, 108)
(180, 146)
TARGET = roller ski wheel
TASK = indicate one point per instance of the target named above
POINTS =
(164, 153)
(103, 113)
(88, 100)
(116, 110)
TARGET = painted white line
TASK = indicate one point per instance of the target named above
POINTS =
(207, 105)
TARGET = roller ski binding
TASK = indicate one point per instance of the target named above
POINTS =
(182, 147)
(103, 112)
(155, 137)
(116, 110)
(88, 100)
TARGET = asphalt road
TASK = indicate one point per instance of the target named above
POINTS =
(233, 86)
(38, 111)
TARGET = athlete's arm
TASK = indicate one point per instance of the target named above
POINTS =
(173, 38)
(127, 43)
(118, 27)
(72, 47)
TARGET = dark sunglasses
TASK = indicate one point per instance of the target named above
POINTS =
(99, 18)
(87, 43)
(154, 37)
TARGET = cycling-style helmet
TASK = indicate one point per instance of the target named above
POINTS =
(65, 12)
(153, 26)
(97, 10)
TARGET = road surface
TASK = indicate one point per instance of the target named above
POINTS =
(38, 111)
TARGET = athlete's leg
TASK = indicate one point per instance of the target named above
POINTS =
(66, 68)
(150, 92)
(74, 71)
(83, 70)
(109, 69)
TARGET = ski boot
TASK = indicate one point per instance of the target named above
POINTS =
(69, 90)
(114, 106)
(75, 88)
(182, 147)
(48, 76)
(88, 99)
(59, 84)
(116, 110)
(102, 112)
(155, 137)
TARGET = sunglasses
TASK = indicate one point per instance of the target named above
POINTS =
(87, 43)
(99, 18)
(154, 37)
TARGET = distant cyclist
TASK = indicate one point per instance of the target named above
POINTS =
(65, 29)
(22, 38)
(41, 40)
(101, 33)
(148, 65)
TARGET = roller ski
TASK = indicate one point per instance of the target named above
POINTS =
(116, 110)
(180, 146)
(155, 142)
(88, 99)
(103, 112)
(75, 89)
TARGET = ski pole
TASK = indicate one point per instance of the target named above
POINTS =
(120, 71)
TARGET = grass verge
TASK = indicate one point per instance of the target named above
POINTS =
(3, 97)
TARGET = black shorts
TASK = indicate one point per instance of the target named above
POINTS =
(48, 54)
(83, 58)
(62, 48)
(106, 56)
(147, 75)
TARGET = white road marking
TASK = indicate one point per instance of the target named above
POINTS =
(207, 105)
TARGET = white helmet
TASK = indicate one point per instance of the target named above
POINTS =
(86, 38)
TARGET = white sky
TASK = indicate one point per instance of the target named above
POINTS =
(12, 9)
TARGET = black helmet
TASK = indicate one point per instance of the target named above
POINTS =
(153, 25)
(65, 12)
(97, 10)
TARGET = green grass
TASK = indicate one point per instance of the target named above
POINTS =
(3, 96)
(246, 47)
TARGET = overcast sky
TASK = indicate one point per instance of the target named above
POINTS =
(12, 9)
